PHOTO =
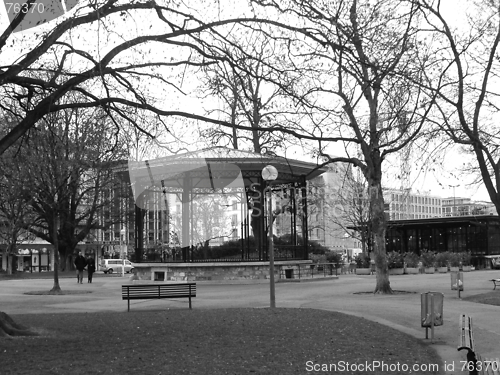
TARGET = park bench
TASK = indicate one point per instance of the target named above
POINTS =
(476, 365)
(495, 283)
(158, 291)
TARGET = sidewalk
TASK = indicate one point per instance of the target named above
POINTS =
(399, 311)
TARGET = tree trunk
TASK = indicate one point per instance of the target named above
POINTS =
(10, 264)
(9, 328)
(9, 255)
(379, 226)
(9, 260)
(66, 262)
(56, 289)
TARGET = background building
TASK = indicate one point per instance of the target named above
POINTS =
(459, 206)
(331, 208)
(405, 204)
(479, 235)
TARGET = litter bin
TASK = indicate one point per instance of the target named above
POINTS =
(457, 281)
(431, 311)
(289, 273)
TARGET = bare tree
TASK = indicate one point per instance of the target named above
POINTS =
(210, 219)
(84, 54)
(351, 56)
(348, 206)
(67, 163)
(249, 97)
(461, 68)
(15, 210)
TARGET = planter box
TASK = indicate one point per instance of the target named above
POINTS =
(443, 269)
(429, 270)
(363, 271)
(466, 268)
(396, 271)
(411, 270)
(454, 269)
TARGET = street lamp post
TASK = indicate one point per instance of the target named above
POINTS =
(122, 252)
(270, 173)
(454, 209)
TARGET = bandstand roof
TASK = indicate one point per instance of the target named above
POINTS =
(218, 168)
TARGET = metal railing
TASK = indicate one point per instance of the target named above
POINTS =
(220, 254)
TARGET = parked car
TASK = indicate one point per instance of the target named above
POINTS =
(116, 265)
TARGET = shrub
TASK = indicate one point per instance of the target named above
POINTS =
(428, 258)
(316, 248)
(454, 259)
(334, 257)
(411, 259)
(442, 259)
(395, 260)
(466, 258)
(362, 260)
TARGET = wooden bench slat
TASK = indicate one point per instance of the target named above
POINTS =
(466, 340)
(158, 288)
(146, 296)
(161, 291)
(156, 297)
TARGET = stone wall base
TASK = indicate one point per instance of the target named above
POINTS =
(212, 271)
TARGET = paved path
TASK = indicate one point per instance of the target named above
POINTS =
(401, 311)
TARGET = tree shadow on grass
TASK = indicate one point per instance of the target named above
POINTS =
(52, 293)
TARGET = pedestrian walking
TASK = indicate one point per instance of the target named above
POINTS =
(80, 264)
(90, 268)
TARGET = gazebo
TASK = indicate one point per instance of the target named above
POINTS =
(200, 184)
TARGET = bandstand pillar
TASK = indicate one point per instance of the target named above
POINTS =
(186, 217)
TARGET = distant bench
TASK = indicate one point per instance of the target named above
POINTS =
(495, 283)
(476, 365)
(158, 291)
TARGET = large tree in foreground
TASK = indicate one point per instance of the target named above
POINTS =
(351, 61)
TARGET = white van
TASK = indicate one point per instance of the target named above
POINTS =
(116, 265)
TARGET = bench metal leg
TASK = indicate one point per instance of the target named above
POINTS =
(190, 296)
(471, 358)
(128, 301)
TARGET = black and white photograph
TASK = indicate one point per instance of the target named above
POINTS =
(210, 187)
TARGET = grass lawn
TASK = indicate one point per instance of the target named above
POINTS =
(219, 341)
(490, 298)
